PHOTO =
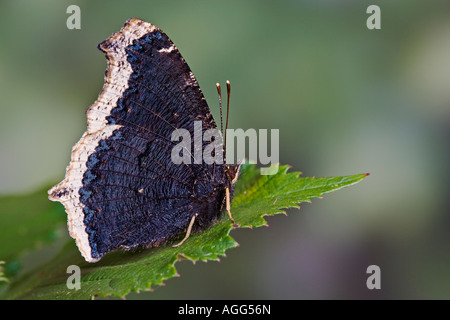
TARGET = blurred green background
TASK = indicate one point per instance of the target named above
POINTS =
(346, 99)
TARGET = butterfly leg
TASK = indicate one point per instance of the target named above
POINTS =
(188, 232)
(227, 206)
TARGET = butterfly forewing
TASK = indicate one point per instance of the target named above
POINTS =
(122, 188)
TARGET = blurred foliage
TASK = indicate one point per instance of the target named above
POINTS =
(3, 278)
(27, 222)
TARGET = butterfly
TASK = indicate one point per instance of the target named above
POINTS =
(122, 189)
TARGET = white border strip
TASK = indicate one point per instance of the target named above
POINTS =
(116, 83)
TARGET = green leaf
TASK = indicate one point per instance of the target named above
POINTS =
(120, 272)
(27, 222)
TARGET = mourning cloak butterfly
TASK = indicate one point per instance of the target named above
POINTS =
(122, 189)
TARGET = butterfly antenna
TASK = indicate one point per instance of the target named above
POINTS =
(220, 106)
(228, 112)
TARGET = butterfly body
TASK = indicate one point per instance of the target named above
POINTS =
(122, 189)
